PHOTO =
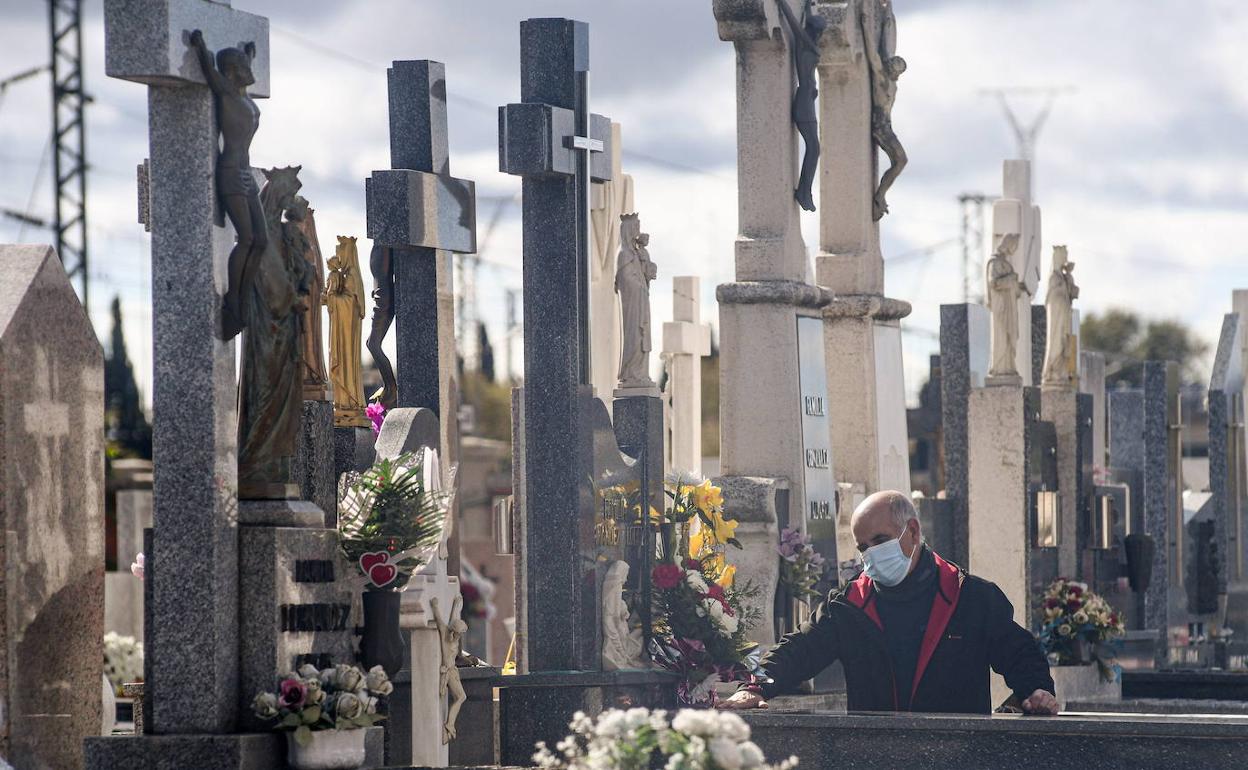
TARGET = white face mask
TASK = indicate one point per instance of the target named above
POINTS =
(886, 563)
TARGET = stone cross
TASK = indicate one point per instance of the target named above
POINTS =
(686, 340)
(612, 199)
(1015, 213)
(192, 630)
(417, 209)
(537, 139)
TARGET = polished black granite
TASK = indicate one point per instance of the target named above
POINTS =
(1188, 685)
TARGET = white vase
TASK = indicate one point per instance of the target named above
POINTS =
(328, 750)
(1084, 684)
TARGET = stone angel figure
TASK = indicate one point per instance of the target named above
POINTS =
(238, 117)
(621, 647)
(633, 274)
(345, 298)
(1060, 357)
(1004, 290)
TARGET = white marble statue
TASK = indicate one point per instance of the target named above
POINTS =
(1060, 355)
(633, 274)
(451, 633)
(1004, 289)
(621, 647)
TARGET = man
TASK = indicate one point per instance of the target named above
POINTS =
(914, 632)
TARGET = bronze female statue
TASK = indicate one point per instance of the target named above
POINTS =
(271, 376)
(237, 120)
(381, 265)
(806, 36)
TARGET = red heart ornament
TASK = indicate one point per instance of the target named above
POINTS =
(382, 575)
(369, 560)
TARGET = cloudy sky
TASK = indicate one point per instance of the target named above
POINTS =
(1142, 166)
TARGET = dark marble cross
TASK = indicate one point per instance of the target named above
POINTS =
(417, 209)
(559, 148)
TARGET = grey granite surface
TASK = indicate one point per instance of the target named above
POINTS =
(407, 430)
(300, 604)
(147, 40)
(354, 450)
(1159, 502)
(1039, 338)
(247, 751)
(192, 630)
(280, 513)
(51, 513)
(1225, 437)
(313, 464)
(557, 437)
(963, 359)
(904, 740)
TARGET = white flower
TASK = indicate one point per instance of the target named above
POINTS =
(696, 582)
(725, 753)
(348, 678)
(265, 705)
(696, 722)
(377, 681)
(675, 762)
(729, 624)
(348, 706)
(733, 727)
(308, 671)
(751, 755)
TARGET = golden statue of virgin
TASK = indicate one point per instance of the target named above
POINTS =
(345, 298)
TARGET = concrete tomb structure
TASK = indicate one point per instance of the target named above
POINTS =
(686, 341)
(775, 443)
(51, 512)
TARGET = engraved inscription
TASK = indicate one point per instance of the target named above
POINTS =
(814, 406)
(817, 458)
(315, 617)
(314, 571)
(820, 510)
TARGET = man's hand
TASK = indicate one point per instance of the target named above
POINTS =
(1040, 703)
(743, 700)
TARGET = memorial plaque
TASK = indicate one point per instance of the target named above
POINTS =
(819, 504)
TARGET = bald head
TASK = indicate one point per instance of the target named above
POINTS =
(886, 516)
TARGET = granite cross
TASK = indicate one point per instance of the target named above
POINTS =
(544, 141)
(416, 209)
(192, 629)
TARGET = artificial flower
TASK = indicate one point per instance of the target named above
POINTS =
(292, 693)
(666, 576)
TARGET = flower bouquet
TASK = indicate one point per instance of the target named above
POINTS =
(1079, 624)
(123, 660)
(639, 739)
(701, 627)
(391, 519)
(801, 566)
(310, 703)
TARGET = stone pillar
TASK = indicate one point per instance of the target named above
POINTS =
(1092, 382)
(866, 383)
(1226, 445)
(686, 340)
(1061, 407)
(763, 440)
(964, 362)
(998, 527)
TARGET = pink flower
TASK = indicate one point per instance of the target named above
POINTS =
(137, 568)
(377, 414)
(667, 576)
(292, 693)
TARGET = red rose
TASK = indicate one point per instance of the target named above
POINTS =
(667, 576)
(716, 591)
(1073, 605)
(1076, 591)
(693, 564)
(1051, 603)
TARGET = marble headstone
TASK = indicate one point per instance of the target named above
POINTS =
(52, 512)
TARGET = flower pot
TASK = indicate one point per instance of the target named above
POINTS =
(1083, 684)
(1081, 651)
(381, 644)
(328, 750)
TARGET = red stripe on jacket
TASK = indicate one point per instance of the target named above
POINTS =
(861, 594)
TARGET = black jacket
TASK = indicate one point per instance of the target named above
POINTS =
(971, 628)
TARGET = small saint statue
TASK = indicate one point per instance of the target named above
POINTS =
(885, 67)
(237, 119)
(633, 274)
(805, 34)
(451, 633)
(1004, 291)
(299, 237)
(1061, 355)
(381, 265)
(345, 299)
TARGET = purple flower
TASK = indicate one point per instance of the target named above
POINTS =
(292, 694)
(377, 414)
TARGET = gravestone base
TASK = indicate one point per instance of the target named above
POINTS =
(353, 450)
(313, 465)
(297, 606)
(246, 751)
(760, 506)
(475, 742)
(1060, 406)
(280, 513)
(538, 707)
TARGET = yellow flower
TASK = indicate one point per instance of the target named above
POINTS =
(708, 497)
(727, 575)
